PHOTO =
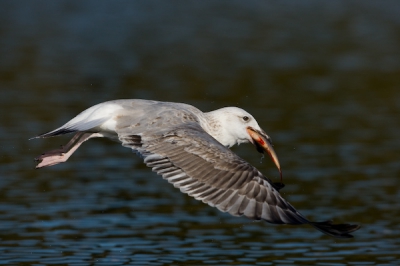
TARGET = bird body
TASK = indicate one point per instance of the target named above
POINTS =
(141, 116)
(190, 149)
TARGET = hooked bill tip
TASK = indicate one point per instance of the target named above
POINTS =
(262, 140)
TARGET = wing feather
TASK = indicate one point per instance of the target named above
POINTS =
(201, 167)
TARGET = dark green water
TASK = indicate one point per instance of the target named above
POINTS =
(321, 77)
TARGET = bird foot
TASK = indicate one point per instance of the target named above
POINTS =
(51, 158)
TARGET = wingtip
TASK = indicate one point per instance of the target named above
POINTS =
(336, 230)
(278, 185)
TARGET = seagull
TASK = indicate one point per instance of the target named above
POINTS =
(190, 149)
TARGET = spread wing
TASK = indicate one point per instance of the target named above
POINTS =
(201, 167)
(179, 150)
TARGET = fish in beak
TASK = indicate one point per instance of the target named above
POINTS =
(263, 143)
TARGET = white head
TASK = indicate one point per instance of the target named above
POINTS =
(232, 125)
(229, 125)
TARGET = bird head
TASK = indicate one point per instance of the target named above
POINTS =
(234, 125)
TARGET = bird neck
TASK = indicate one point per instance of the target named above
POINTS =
(214, 125)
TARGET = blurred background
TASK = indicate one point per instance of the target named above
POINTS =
(321, 77)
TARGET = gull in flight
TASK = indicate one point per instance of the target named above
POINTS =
(190, 149)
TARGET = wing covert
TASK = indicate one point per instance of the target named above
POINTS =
(201, 167)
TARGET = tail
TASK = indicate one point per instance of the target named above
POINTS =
(335, 230)
(56, 132)
(71, 127)
(86, 120)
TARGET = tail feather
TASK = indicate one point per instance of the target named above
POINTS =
(86, 120)
(71, 127)
(54, 133)
(336, 230)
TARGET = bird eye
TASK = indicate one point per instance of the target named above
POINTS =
(246, 118)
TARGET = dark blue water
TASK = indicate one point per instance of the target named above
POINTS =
(322, 79)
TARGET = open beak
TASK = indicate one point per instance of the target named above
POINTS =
(263, 143)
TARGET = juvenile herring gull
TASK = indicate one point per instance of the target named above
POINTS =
(190, 149)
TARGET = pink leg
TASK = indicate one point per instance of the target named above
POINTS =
(61, 155)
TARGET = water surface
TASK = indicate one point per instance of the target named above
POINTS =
(322, 79)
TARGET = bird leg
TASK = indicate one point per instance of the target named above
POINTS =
(61, 155)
